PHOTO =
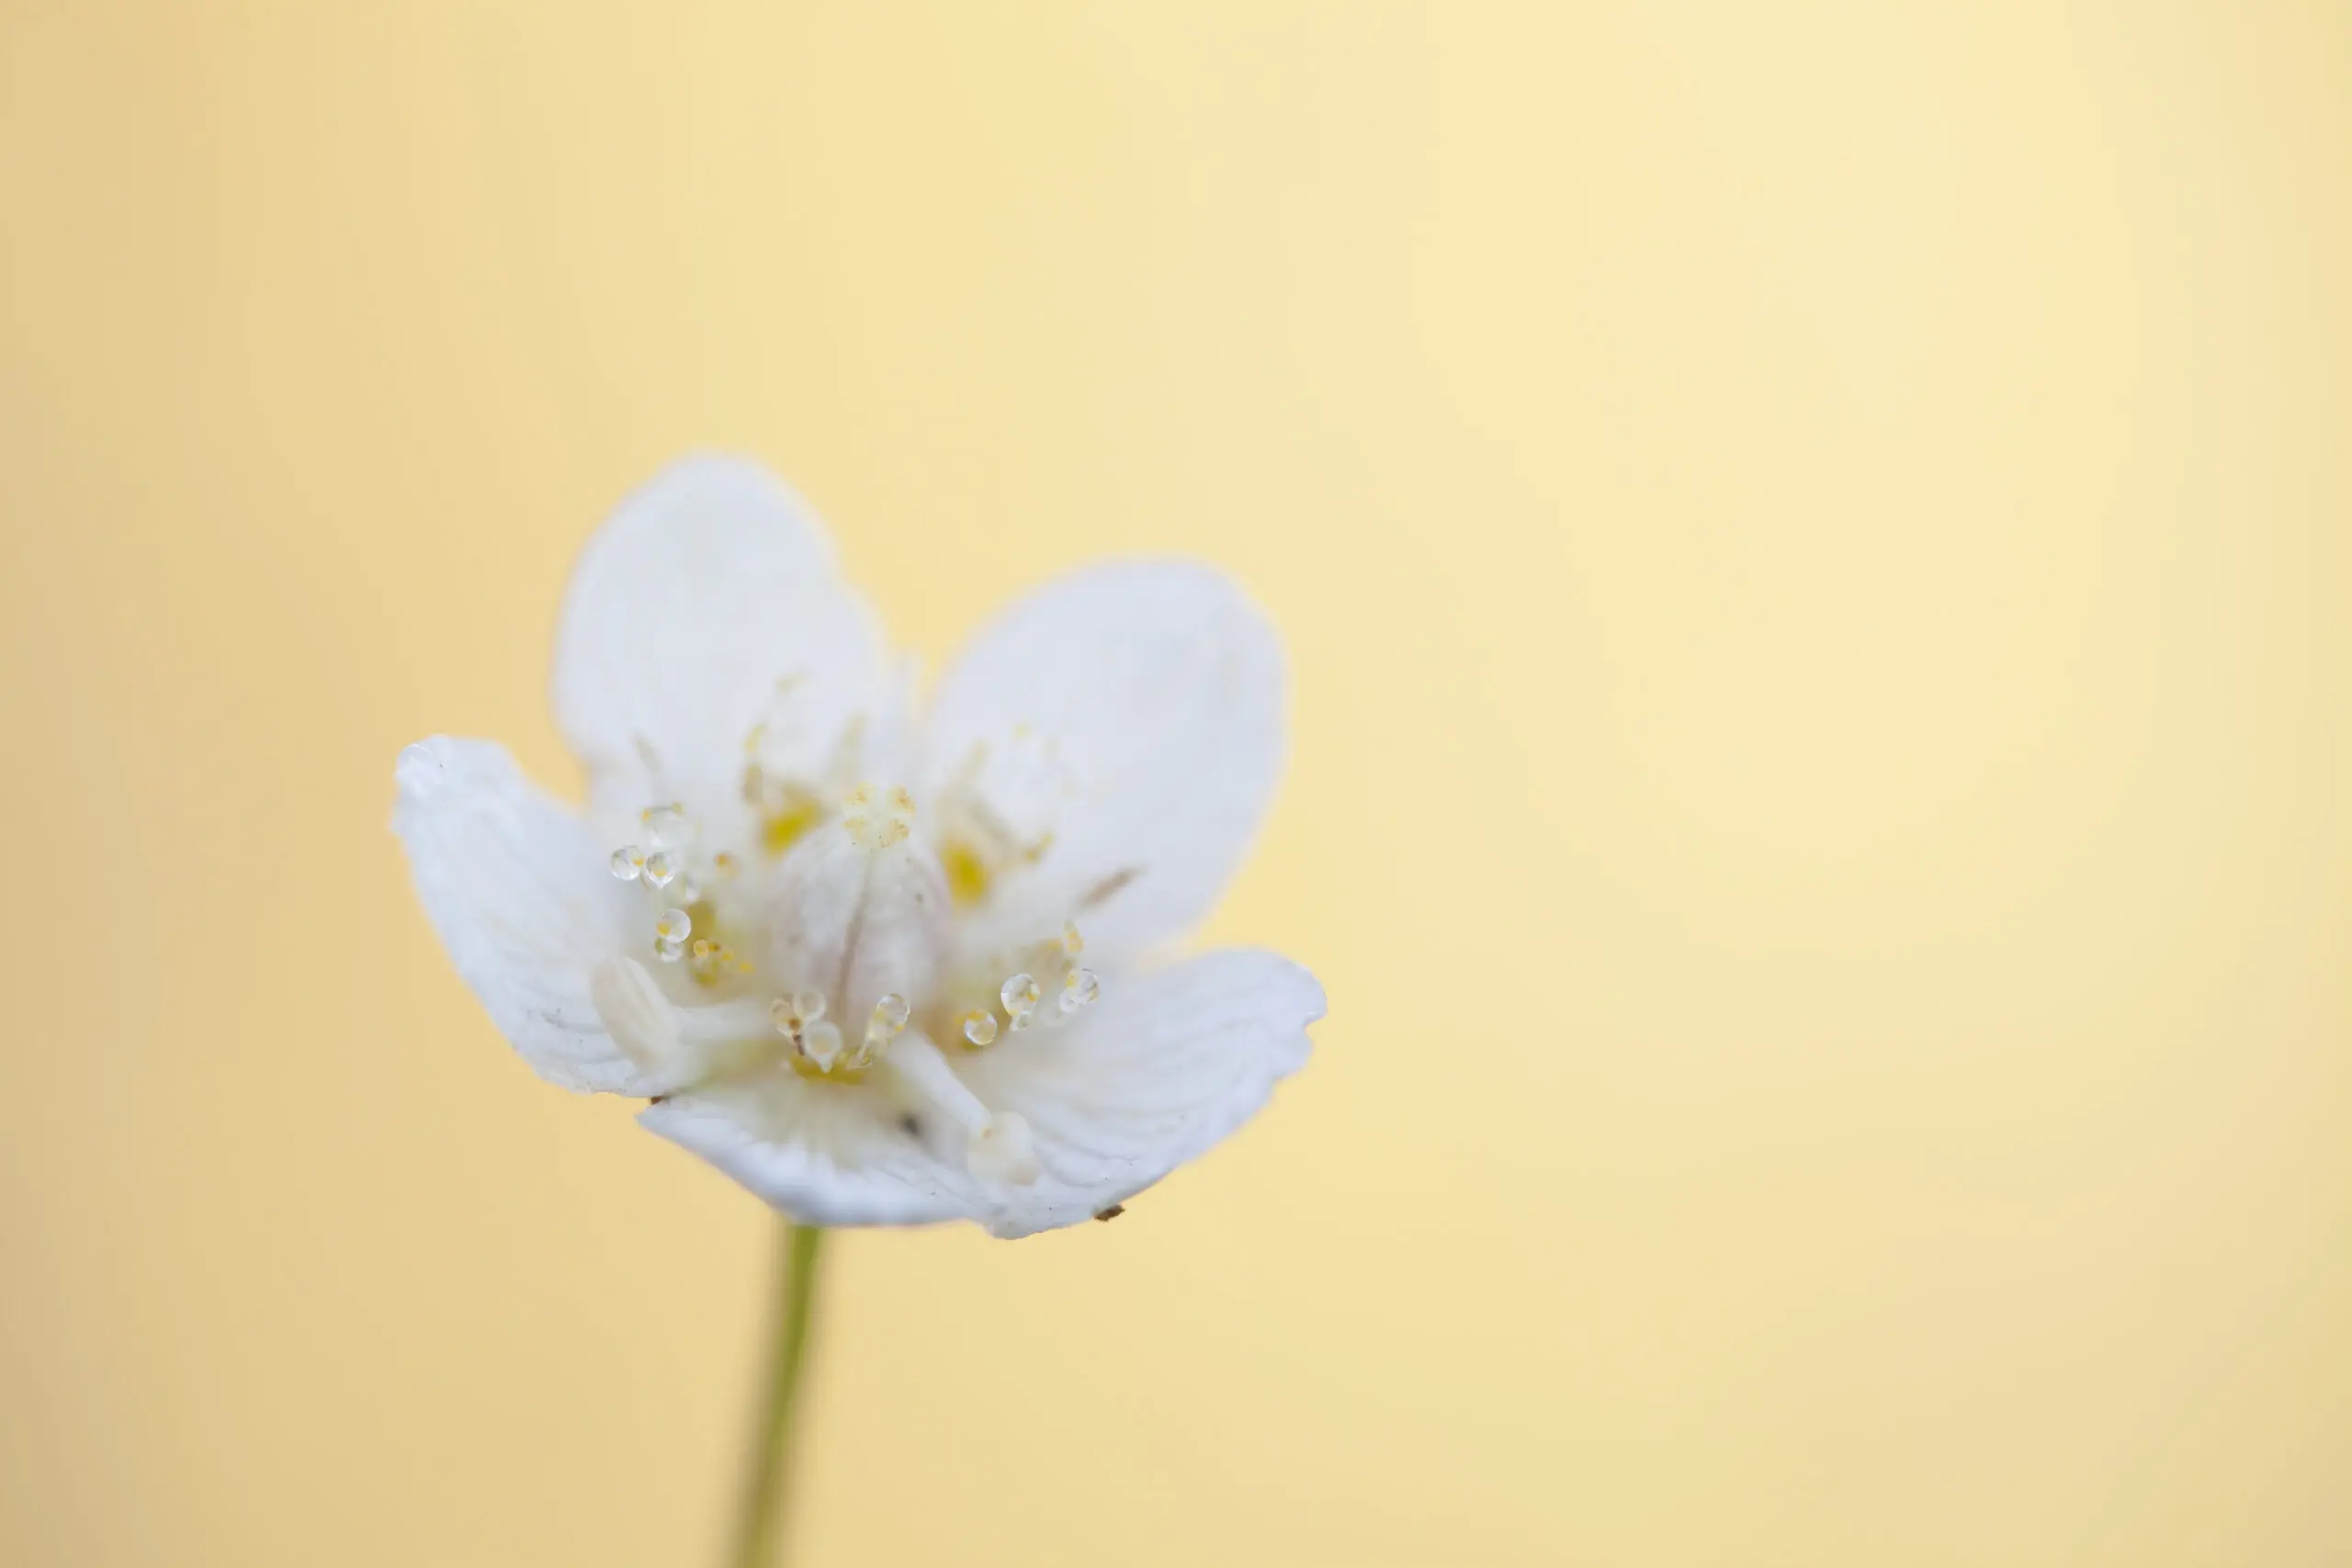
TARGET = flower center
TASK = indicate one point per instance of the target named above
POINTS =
(856, 922)
(824, 951)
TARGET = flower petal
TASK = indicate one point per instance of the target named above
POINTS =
(702, 590)
(519, 892)
(1163, 1068)
(825, 1154)
(1126, 723)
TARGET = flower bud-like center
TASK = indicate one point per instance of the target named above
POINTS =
(857, 925)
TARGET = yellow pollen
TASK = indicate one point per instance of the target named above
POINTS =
(847, 1069)
(967, 873)
(779, 831)
(710, 958)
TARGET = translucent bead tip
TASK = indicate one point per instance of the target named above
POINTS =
(1019, 994)
(1081, 989)
(668, 825)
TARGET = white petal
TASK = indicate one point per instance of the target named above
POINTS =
(1154, 691)
(521, 896)
(825, 1154)
(702, 590)
(1157, 1073)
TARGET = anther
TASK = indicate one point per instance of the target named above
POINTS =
(800, 1018)
(796, 1012)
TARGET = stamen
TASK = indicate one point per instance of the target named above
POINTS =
(676, 1045)
(800, 1018)
(997, 1147)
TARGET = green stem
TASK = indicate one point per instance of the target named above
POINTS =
(759, 1528)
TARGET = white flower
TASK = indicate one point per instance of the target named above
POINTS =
(882, 967)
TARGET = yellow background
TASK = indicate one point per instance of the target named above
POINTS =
(1817, 546)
